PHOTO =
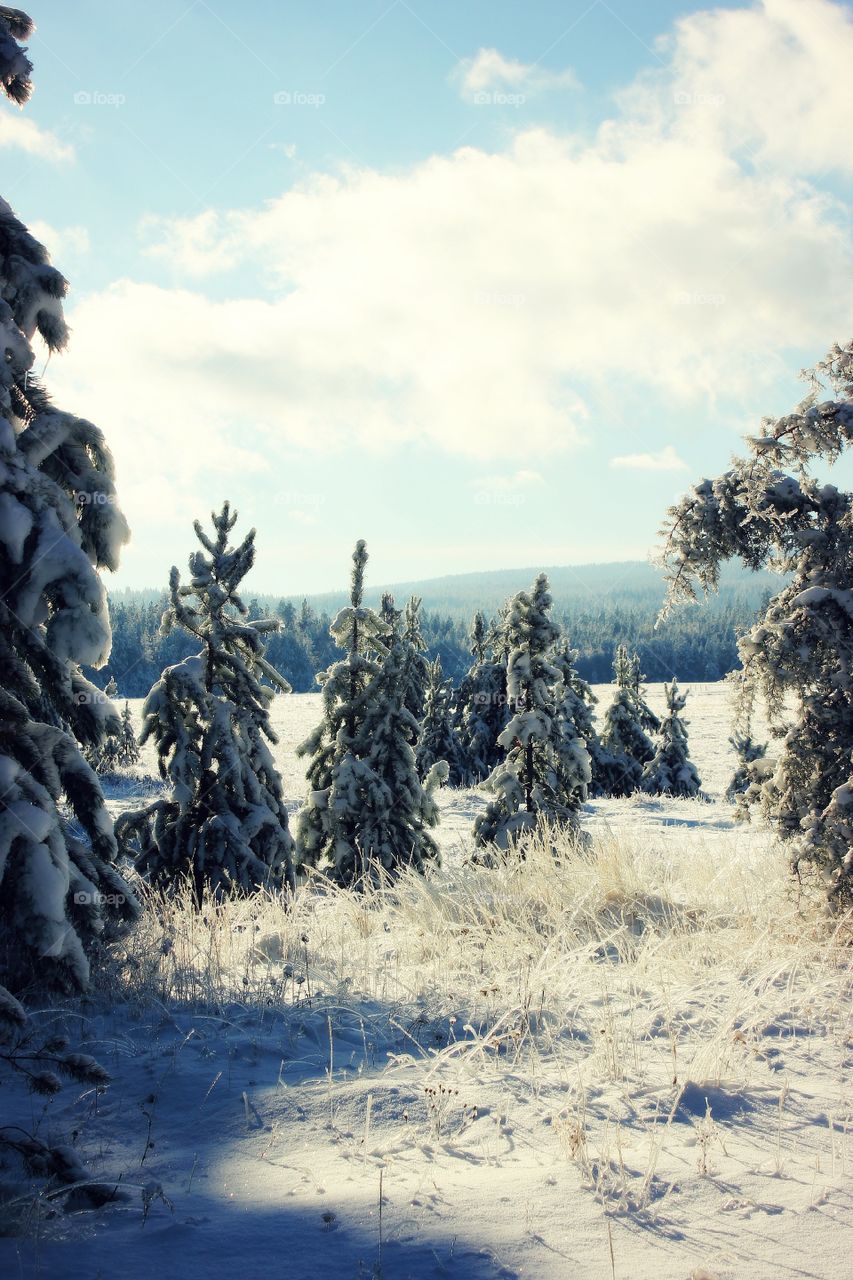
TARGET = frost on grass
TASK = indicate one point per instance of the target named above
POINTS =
(648, 1015)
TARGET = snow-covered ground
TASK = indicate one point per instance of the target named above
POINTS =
(628, 1062)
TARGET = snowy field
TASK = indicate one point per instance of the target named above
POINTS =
(628, 1062)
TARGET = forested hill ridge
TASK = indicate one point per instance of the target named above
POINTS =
(598, 606)
(626, 582)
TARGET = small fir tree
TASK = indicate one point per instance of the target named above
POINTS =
(128, 748)
(481, 709)
(437, 739)
(225, 822)
(625, 741)
(544, 773)
(748, 752)
(328, 823)
(111, 688)
(671, 772)
(367, 812)
(394, 809)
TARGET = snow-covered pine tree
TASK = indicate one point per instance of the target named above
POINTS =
(111, 688)
(671, 772)
(224, 825)
(801, 650)
(748, 752)
(59, 525)
(578, 703)
(626, 743)
(127, 752)
(393, 810)
(437, 740)
(647, 718)
(544, 773)
(419, 664)
(480, 711)
(59, 889)
(328, 825)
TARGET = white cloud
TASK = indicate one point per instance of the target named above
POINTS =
(489, 70)
(666, 460)
(61, 241)
(24, 134)
(488, 304)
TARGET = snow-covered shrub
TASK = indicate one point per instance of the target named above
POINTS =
(800, 652)
(671, 771)
(225, 822)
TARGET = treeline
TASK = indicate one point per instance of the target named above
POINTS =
(696, 644)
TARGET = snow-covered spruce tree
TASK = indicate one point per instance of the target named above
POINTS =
(626, 743)
(437, 740)
(545, 771)
(111, 688)
(393, 809)
(480, 711)
(59, 525)
(578, 701)
(748, 753)
(647, 718)
(127, 752)
(224, 825)
(801, 650)
(671, 772)
(419, 665)
(328, 824)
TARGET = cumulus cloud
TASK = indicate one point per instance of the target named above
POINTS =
(489, 70)
(490, 303)
(666, 460)
(61, 241)
(23, 134)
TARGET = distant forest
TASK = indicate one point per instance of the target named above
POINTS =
(598, 606)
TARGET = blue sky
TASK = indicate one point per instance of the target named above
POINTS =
(484, 283)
